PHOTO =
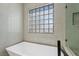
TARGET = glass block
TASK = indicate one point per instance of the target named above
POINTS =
(30, 15)
(33, 14)
(41, 9)
(46, 7)
(41, 22)
(45, 26)
(33, 26)
(41, 30)
(37, 17)
(41, 17)
(30, 26)
(30, 12)
(51, 6)
(51, 30)
(41, 12)
(50, 20)
(33, 18)
(50, 15)
(50, 10)
(50, 25)
(33, 22)
(45, 21)
(41, 26)
(37, 30)
(37, 13)
(30, 19)
(37, 22)
(33, 30)
(46, 30)
(37, 26)
(46, 17)
(33, 11)
(45, 11)
(37, 10)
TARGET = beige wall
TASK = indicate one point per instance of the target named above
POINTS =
(11, 25)
(59, 20)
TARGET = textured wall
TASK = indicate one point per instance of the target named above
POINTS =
(11, 25)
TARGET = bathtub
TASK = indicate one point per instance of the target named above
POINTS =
(32, 49)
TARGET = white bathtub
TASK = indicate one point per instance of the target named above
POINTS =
(31, 49)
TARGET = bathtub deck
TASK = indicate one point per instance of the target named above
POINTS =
(31, 49)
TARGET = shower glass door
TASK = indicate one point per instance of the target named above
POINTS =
(72, 27)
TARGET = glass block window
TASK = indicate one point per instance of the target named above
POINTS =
(41, 19)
